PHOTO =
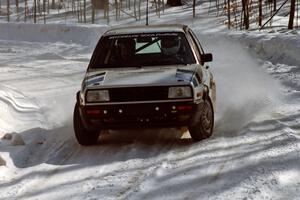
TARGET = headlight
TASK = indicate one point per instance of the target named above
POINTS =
(97, 95)
(180, 92)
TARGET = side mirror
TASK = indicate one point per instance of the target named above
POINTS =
(207, 57)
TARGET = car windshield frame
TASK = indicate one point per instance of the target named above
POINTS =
(148, 51)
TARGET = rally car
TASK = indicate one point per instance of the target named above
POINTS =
(143, 77)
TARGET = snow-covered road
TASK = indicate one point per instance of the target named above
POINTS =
(253, 154)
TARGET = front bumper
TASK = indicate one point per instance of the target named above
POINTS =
(139, 115)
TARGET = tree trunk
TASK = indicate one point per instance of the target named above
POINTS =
(134, 9)
(228, 13)
(259, 12)
(101, 4)
(194, 8)
(80, 11)
(25, 10)
(34, 12)
(292, 14)
(44, 10)
(174, 2)
(147, 13)
(106, 10)
(93, 13)
(8, 11)
(246, 13)
(297, 14)
(53, 4)
(39, 7)
(17, 6)
(140, 10)
(159, 4)
(117, 9)
(84, 11)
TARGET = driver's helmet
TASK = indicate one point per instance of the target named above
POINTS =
(170, 45)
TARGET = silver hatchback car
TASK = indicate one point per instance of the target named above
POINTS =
(146, 76)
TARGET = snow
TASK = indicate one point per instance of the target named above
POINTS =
(253, 154)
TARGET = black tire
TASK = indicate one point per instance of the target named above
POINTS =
(203, 127)
(83, 136)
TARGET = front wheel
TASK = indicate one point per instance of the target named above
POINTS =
(83, 136)
(203, 127)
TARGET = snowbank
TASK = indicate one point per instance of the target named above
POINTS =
(81, 34)
(276, 48)
(16, 107)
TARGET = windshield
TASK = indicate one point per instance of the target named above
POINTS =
(137, 50)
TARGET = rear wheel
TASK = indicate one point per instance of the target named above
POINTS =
(83, 136)
(203, 128)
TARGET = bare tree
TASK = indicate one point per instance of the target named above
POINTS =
(25, 10)
(34, 11)
(292, 14)
(93, 13)
(235, 11)
(44, 11)
(273, 14)
(39, 7)
(159, 7)
(8, 10)
(84, 11)
(245, 4)
(117, 5)
(194, 8)
(17, 6)
(228, 13)
(297, 14)
(260, 12)
(53, 4)
(174, 2)
(134, 9)
(139, 9)
(106, 11)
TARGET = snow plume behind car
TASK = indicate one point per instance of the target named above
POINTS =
(245, 90)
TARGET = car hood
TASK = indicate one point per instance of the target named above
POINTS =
(140, 76)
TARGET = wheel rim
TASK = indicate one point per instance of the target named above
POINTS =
(206, 119)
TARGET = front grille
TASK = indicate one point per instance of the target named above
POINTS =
(138, 94)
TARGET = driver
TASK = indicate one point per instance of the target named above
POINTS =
(170, 45)
(126, 47)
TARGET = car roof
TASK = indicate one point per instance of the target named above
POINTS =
(146, 29)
